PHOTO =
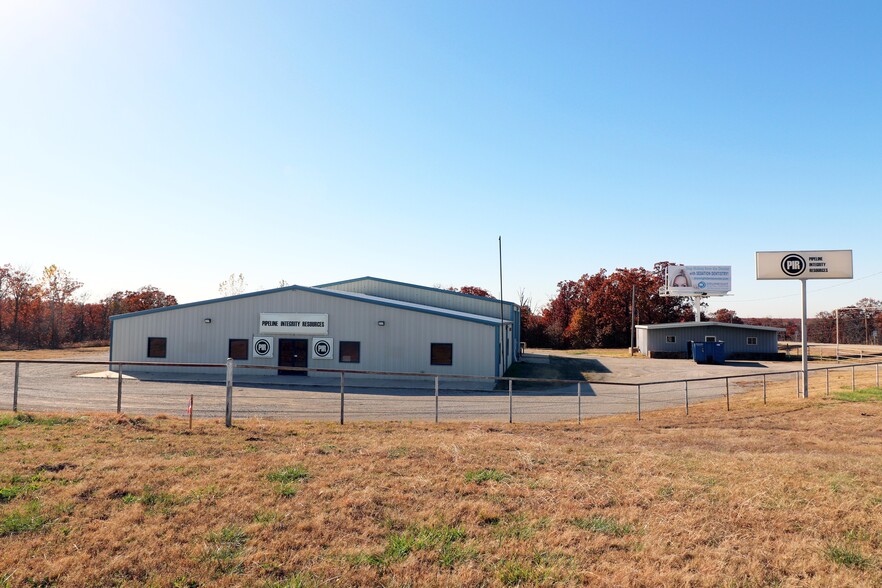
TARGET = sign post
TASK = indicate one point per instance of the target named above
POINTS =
(804, 266)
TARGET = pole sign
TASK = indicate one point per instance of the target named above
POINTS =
(804, 265)
(699, 280)
(293, 323)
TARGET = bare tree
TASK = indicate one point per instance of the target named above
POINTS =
(232, 286)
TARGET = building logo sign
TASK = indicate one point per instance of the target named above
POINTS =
(293, 323)
(804, 265)
(262, 346)
(322, 348)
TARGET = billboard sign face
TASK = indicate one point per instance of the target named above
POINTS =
(804, 265)
(696, 280)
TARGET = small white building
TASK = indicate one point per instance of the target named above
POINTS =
(368, 324)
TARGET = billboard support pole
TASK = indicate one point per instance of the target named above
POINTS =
(696, 308)
(804, 337)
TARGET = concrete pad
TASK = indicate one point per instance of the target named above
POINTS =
(106, 375)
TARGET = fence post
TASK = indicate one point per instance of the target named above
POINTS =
(342, 396)
(119, 388)
(727, 394)
(764, 388)
(877, 375)
(853, 387)
(579, 399)
(827, 393)
(509, 402)
(638, 403)
(15, 390)
(229, 409)
(436, 399)
(798, 393)
(687, 396)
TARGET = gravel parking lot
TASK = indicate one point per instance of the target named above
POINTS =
(612, 389)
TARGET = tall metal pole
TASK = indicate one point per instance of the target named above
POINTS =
(837, 334)
(805, 373)
(633, 305)
(501, 315)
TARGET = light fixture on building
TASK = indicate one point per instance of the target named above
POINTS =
(381, 323)
(208, 321)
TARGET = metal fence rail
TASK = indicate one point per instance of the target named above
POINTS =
(345, 395)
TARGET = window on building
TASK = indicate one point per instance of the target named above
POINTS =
(671, 338)
(350, 352)
(751, 340)
(156, 346)
(238, 349)
(442, 353)
(710, 339)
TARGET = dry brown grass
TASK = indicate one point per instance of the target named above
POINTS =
(789, 494)
(598, 352)
(71, 353)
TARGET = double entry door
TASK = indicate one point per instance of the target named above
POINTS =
(293, 353)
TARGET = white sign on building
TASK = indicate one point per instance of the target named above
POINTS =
(293, 323)
(804, 265)
(322, 348)
(262, 346)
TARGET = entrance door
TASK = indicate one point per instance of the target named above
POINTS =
(292, 353)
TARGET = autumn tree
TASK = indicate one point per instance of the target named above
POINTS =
(57, 287)
(724, 315)
(474, 291)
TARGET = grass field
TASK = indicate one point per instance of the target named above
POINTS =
(73, 353)
(784, 495)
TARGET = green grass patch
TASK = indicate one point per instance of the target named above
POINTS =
(604, 525)
(486, 475)
(287, 478)
(154, 501)
(519, 528)
(443, 538)
(20, 419)
(224, 547)
(862, 395)
(22, 521)
(541, 569)
(19, 486)
(848, 557)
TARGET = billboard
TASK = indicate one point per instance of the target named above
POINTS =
(804, 265)
(698, 280)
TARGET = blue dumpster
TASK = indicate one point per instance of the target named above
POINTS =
(709, 352)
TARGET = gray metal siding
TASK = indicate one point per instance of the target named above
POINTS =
(434, 297)
(734, 337)
(402, 345)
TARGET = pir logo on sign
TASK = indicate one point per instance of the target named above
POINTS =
(793, 264)
(261, 347)
(321, 348)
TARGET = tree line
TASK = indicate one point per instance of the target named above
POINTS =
(47, 310)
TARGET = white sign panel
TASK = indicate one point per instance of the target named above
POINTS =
(293, 323)
(262, 347)
(804, 265)
(692, 280)
(322, 348)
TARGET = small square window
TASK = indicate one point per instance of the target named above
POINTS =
(442, 353)
(671, 339)
(710, 339)
(238, 349)
(751, 340)
(350, 352)
(156, 346)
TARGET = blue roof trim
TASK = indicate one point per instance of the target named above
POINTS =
(366, 298)
(341, 282)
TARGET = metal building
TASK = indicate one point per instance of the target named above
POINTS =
(673, 340)
(325, 327)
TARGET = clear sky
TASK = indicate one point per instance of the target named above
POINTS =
(174, 143)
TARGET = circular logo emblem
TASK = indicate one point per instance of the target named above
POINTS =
(793, 264)
(261, 347)
(321, 348)
(702, 285)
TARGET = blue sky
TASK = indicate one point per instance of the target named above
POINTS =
(175, 143)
